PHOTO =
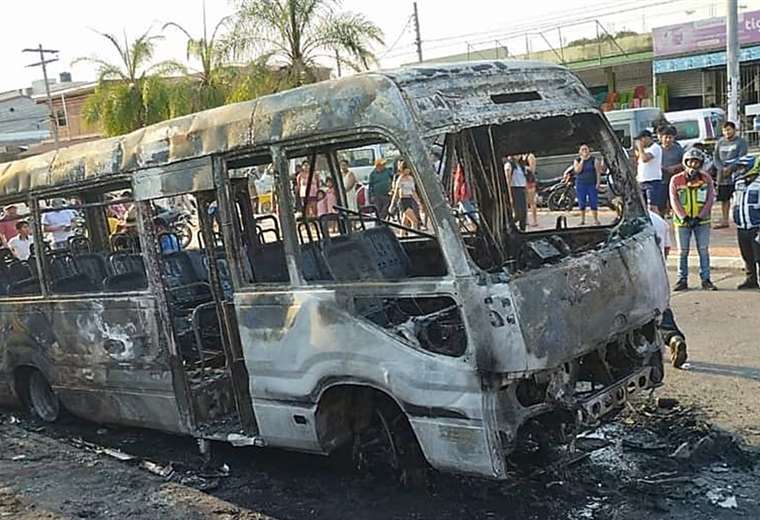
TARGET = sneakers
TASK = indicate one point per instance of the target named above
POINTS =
(707, 285)
(747, 284)
(681, 285)
(678, 354)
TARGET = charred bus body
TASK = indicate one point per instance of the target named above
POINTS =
(309, 332)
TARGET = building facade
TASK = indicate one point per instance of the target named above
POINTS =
(22, 123)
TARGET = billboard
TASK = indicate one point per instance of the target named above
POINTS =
(704, 35)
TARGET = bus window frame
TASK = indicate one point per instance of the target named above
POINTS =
(31, 203)
(328, 145)
(230, 223)
(330, 148)
(122, 183)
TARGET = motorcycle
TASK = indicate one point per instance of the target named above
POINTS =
(179, 223)
(561, 195)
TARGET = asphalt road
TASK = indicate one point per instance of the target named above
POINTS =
(629, 470)
(723, 335)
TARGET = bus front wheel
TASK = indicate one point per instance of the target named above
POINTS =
(42, 400)
(388, 445)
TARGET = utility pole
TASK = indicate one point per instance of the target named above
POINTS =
(43, 63)
(418, 39)
(732, 55)
(337, 63)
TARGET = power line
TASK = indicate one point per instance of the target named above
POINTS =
(548, 23)
(398, 39)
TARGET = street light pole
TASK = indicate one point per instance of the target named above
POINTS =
(43, 63)
(732, 60)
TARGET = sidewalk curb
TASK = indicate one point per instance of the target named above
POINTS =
(717, 262)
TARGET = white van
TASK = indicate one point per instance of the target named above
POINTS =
(697, 126)
(361, 161)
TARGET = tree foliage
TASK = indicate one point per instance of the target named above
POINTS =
(299, 34)
(265, 47)
(130, 92)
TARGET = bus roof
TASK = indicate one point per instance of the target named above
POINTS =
(429, 100)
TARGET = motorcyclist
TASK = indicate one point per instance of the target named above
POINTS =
(692, 195)
(746, 214)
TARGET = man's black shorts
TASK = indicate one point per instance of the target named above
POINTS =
(724, 192)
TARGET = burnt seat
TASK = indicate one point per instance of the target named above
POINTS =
(350, 259)
(94, 267)
(186, 290)
(373, 254)
(131, 281)
(128, 272)
(75, 283)
(122, 263)
(390, 257)
(26, 287)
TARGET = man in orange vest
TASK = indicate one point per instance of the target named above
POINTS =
(692, 195)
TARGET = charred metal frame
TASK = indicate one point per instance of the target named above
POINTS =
(301, 355)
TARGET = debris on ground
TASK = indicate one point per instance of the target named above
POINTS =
(624, 469)
(722, 498)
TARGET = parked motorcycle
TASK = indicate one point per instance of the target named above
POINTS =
(179, 222)
(561, 195)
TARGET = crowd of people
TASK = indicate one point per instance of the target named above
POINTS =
(16, 231)
(59, 224)
(391, 190)
(682, 183)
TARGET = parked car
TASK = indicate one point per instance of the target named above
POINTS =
(699, 125)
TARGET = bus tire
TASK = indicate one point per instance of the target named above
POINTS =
(43, 402)
(388, 447)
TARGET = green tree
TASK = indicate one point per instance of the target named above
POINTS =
(209, 85)
(130, 93)
(299, 33)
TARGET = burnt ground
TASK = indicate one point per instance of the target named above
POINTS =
(625, 469)
(688, 461)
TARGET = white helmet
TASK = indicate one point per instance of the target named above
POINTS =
(693, 153)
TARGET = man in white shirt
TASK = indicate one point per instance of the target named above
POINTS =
(662, 232)
(649, 171)
(674, 338)
(59, 223)
(21, 244)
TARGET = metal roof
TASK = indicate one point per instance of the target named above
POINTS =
(429, 100)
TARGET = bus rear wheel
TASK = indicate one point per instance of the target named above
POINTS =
(42, 400)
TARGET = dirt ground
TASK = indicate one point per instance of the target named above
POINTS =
(693, 458)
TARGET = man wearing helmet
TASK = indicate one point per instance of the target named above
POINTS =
(747, 218)
(692, 195)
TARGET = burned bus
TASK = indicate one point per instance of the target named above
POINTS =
(445, 341)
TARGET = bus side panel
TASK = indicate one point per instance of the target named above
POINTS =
(103, 357)
(300, 343)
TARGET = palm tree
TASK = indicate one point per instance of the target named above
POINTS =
(300, 33)
(208, 86)
(130, 93)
